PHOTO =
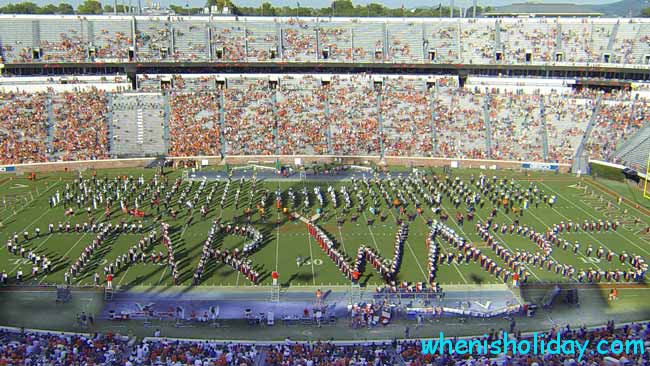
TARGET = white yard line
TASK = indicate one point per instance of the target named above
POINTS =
(594, 217)
(277, 245)
(311, 256)
(30, 202)
(497, 235)
(65, 254)
(454, 263)
(579, 252)
(124, 276)
(35, 249)
(162, 275)
(33, 222)
(372, 235)
(406, 242)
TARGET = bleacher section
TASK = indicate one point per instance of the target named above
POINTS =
(16, 39)
(636, 151)
(191, 40)
(24, 128)
(57, 38)
(80, 128)
(138, 125)
(110, 38)
(515, 119)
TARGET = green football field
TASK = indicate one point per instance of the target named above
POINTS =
(24, 205)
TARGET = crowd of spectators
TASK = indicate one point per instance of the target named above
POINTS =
(357, 114)
(617, 119)
(62, 349)
(353, 117)
(515, 127)
(194, 122)
(231, 39)
(109, 349)
(249, 119)
(328, 354)
(23, 128)
(80, 129)
(576, 40)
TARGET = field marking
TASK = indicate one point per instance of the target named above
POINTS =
(65, 254)
(586, 232)
(162, 275)
(277, 244)
(372, 235)
(501, 239)
(33, 222)
(593, 217)
(123, 277)
(455, 265)
(426, 278)
(30, 202)
(311, 255)
(608, 191)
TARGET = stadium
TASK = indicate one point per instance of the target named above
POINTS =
(251, 190)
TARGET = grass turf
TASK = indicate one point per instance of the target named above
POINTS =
(24, 206)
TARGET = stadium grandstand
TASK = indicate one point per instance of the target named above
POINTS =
(297, 191)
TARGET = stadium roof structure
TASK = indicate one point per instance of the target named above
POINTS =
(543, 10)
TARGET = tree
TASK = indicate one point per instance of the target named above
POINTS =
(120, 8)
(645, 12)
(20, 8)
(65, 8)
(90, 7)
(268, 9)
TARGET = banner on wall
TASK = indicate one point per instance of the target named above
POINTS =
(7, 169)
(540, 166)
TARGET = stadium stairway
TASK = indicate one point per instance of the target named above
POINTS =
(166, 115)
(542, 115)
(329, 125)
(36, 33)
(580, 162)
(488, 127)
(612, 37)
(222, 123)
(50, 126)
(497, 38)
(109, 123)
(558, 42)
(434, 136)
(634, 152)
(380, 120)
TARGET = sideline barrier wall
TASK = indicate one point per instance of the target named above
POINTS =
(285, 159)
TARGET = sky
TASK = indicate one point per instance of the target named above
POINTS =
(324, 3)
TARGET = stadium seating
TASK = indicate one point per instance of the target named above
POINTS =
(37, 347)
(304, 114)
(49, 38)
(137, 125)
